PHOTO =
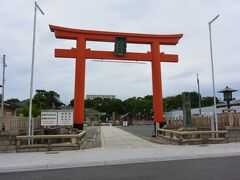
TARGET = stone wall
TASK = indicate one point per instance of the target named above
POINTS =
(233, 134)
(7, 141)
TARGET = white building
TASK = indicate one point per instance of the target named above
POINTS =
(100, 96)
(206, 111)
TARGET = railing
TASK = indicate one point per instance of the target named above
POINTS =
(192, 136)
(50, 142)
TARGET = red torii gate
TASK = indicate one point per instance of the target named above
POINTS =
(81, 54)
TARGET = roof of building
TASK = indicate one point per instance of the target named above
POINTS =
(22, 103)
(91, 111)
(57, 101)
(25, 102)
(12, 106)
(66, 107)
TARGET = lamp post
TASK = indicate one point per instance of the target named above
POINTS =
(213, 83)
(227, 96)
(32, 70)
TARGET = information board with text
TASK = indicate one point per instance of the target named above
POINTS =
(57, 118)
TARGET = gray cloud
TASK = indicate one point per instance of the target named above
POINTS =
(125, 80)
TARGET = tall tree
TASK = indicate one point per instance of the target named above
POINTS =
(45, 99)
(42, 100)
(36, 111)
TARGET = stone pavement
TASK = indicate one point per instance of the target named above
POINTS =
(115, 138)
(119, 147)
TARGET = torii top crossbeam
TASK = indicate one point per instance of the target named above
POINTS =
(81, 54)
(69, 33)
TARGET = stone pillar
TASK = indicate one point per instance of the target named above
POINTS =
(186, 105)
(8, 122)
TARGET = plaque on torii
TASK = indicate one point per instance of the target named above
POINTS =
(81, 53)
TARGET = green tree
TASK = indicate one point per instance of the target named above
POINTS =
(44, 99)
(40, 99)
(72, 103)
(175, 102)
(172, 102)
(142, 106)
(194, 99)
(103, 105)
(36, 111)
(12, 101)
(208, 101)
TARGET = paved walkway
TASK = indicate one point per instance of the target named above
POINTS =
(119, 147)
(115, 138)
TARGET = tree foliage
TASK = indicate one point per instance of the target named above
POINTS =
(12, 101)
(134, 105)
(175, 102)
(42, 100)
(36, 111)
(142, 106)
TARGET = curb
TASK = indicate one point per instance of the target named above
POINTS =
(112, 162)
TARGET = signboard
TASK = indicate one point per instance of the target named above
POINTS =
(48, 118)
(65, 118)
(57, 118)
(120, 47)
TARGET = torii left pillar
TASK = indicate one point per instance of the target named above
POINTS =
(79, 83)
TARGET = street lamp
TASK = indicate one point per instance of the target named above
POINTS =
(214, 92)
(32, 70)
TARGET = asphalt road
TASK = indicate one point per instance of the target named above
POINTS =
(204, 169)
(143, 130)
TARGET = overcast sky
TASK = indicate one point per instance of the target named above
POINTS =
(123, 80)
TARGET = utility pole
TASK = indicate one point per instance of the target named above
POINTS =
(199, 96)
(3, 85)
(213, 81)
(30, 123)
